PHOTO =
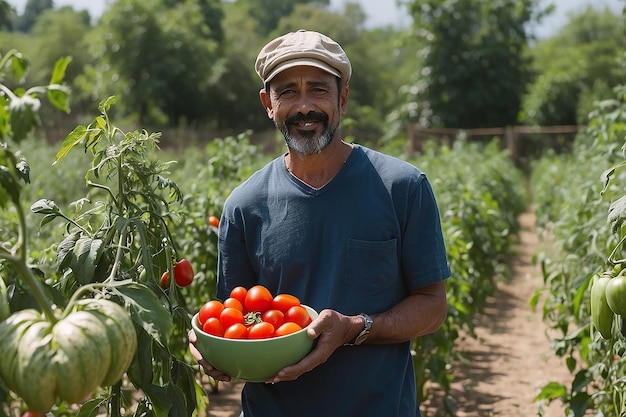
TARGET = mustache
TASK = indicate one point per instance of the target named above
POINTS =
(311, 116)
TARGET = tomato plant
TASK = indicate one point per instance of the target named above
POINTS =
(93, 305)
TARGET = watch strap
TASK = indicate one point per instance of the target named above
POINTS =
(362, 336)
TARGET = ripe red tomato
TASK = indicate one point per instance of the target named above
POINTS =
(210, 309)
(262, 330)
(233, 303)
(31, 413)
(239, 293)
(230, 316)
(214, 221)
(298, 315)
(165, 280)
(183, 273)
(284, 302)
(287, 328)
(258, 299)
(213, 326)
(275, 317)
(236, 331)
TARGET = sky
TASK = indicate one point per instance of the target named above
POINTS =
(386, 12)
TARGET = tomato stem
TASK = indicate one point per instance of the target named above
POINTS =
(17, 256)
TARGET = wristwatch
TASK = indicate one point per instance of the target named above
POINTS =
(360, 338)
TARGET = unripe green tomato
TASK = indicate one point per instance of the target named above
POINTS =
(4, 301)
(601, 313)
(616, 295)
(44, 362)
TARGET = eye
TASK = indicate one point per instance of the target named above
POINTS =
(286, 92)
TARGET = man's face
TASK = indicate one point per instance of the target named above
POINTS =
(306, 106)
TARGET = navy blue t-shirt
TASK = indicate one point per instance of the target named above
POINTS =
(360, 243)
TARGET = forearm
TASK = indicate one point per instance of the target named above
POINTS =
(419, 314)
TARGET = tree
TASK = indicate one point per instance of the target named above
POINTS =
(32, 10)
(7, 13)
(474, 67)
(271, 11)
(577, 66)
(160, 55)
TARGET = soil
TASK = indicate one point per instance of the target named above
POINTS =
(504, 367)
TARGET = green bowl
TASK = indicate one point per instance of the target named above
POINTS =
(253, 360)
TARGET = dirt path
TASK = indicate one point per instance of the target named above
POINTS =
(506, 365)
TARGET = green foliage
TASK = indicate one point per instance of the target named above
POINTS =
(161, 54)
(479, 205)
(578, 205)
(32, 10)
(575, 68)
(475, 69)
(272, 11)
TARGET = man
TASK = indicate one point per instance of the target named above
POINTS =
(351, 232)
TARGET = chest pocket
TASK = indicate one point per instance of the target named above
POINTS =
(371, 266)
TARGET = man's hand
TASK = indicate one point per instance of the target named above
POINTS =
(210, 370)
(332, 330)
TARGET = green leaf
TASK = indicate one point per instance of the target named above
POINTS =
(59, 97)
(87, 252)
(552, 391)
(19, 65)
(45, 206)
(90, 408)
(23, 115)
(23, 170)
(74, 138)
(617, 213)
(10, 185)
(65, 250)
(147, 311)
(58, 72)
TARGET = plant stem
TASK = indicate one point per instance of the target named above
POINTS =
(21, 264)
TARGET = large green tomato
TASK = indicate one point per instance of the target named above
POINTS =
(44, 362)
(601, 313)
(616, 295)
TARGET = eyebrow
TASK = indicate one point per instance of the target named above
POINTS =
(308, 84)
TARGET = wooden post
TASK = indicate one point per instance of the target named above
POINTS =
(511, 139)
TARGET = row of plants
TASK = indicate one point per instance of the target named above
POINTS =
(111, 213)
(580, 209)
(480, 203)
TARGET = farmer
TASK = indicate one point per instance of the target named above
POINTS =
(351, 232)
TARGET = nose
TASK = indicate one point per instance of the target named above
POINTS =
(305, 104)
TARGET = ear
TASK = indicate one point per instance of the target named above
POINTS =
(343, 99)
(267, 103)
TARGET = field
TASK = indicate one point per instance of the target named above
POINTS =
(104, 214)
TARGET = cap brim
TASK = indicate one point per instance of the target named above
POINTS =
(301, 62)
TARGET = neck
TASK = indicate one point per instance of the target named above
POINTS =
(317, 170)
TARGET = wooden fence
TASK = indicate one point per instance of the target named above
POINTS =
(512, 137)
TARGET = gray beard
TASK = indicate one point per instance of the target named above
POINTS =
(309, 145)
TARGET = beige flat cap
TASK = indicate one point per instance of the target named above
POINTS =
(303, 48)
